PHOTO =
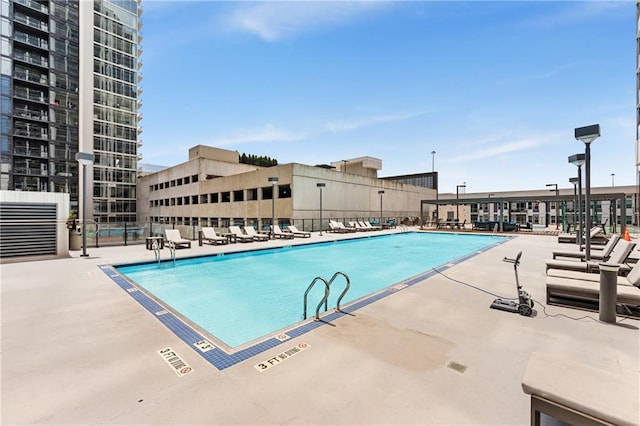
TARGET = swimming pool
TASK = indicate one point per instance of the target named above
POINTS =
(241, 297)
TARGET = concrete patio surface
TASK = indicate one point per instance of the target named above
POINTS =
(77, 349)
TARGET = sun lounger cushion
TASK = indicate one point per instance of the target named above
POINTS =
(578, 392)
(589, 290)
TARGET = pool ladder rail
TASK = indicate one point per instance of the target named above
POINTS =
(156, 250)
(327, 291)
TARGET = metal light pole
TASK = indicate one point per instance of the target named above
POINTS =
(587, 135)
(320, 186)
(556, 203)
(433, 184)
(86, 159)
(457, 205)
(273, 180)
(578, 160)
(381, 192)
(613, 175)
(489, 206)
(574, 181)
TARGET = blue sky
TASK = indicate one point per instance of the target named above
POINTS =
(495, 88)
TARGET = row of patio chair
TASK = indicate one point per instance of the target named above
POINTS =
(243, 234)
(573, 281)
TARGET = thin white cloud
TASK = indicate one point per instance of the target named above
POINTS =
(273, 21)
(483, 151)
(344, 125)
(269, 133)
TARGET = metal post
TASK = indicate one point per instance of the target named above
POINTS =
(320, 186)
(84, 211)
(581, 218)
(587, 200)
(381, 192)
(273, 180)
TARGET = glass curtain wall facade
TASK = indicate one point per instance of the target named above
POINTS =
(115, 93)
(46, 79)
(39, 96)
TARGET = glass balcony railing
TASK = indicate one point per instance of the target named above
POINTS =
(31, 40)
(33, 5)
(31, 22)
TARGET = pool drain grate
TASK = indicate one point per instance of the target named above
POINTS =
(458, 367)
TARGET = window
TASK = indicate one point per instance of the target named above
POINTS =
(284, 191)
(238, 195)
(194, 199)
(267, 193)
(225, 197)
(213, 197)
(204, 199)
(252, 194)
(194, 178)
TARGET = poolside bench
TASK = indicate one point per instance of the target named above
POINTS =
(577, 393)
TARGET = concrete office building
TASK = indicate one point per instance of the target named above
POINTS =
(213, 188)
(70, 74)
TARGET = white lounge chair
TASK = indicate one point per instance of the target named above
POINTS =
(173, 236)
(251, 231)
(239, 236)
(571, 237)
(370, 226)
(277, 232)
(298, 233)
(209, 236)
(602, 254)
(619, 255)
(339, 228)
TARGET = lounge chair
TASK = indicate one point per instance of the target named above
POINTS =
(595, 254)
(338, 227)
(251, 231)
(298, 233)
(619, 255)
(586, 291)
(571, 238)
(209, 236)
(239, 236)
(173, 236)
(368, 225)
(277, 232)
(358, 226)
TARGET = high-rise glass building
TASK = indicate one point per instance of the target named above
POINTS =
(70, 81)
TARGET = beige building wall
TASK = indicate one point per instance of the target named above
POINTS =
(345, 195)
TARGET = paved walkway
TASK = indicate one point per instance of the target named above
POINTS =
(77, 349)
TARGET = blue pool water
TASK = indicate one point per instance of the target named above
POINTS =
(240, 297)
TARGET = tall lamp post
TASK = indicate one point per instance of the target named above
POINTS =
(574, 181)
(86, 159)
(321, 186)
(613, 175)
(433, 184)
(273, 180)
(381, 192)
(457, 205)
(557, 195)
(489, 205)
(578, 160)
(587, 135)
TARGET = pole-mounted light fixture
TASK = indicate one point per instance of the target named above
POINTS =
(85, 159)
(321, 186)
(273, 180)
(586, 135)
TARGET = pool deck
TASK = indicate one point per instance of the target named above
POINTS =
(77, 349)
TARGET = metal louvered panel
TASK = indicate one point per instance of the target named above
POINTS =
(27, 229)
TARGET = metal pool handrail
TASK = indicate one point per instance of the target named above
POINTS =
(327, 290)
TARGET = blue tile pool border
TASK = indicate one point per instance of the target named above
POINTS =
(221, 359)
